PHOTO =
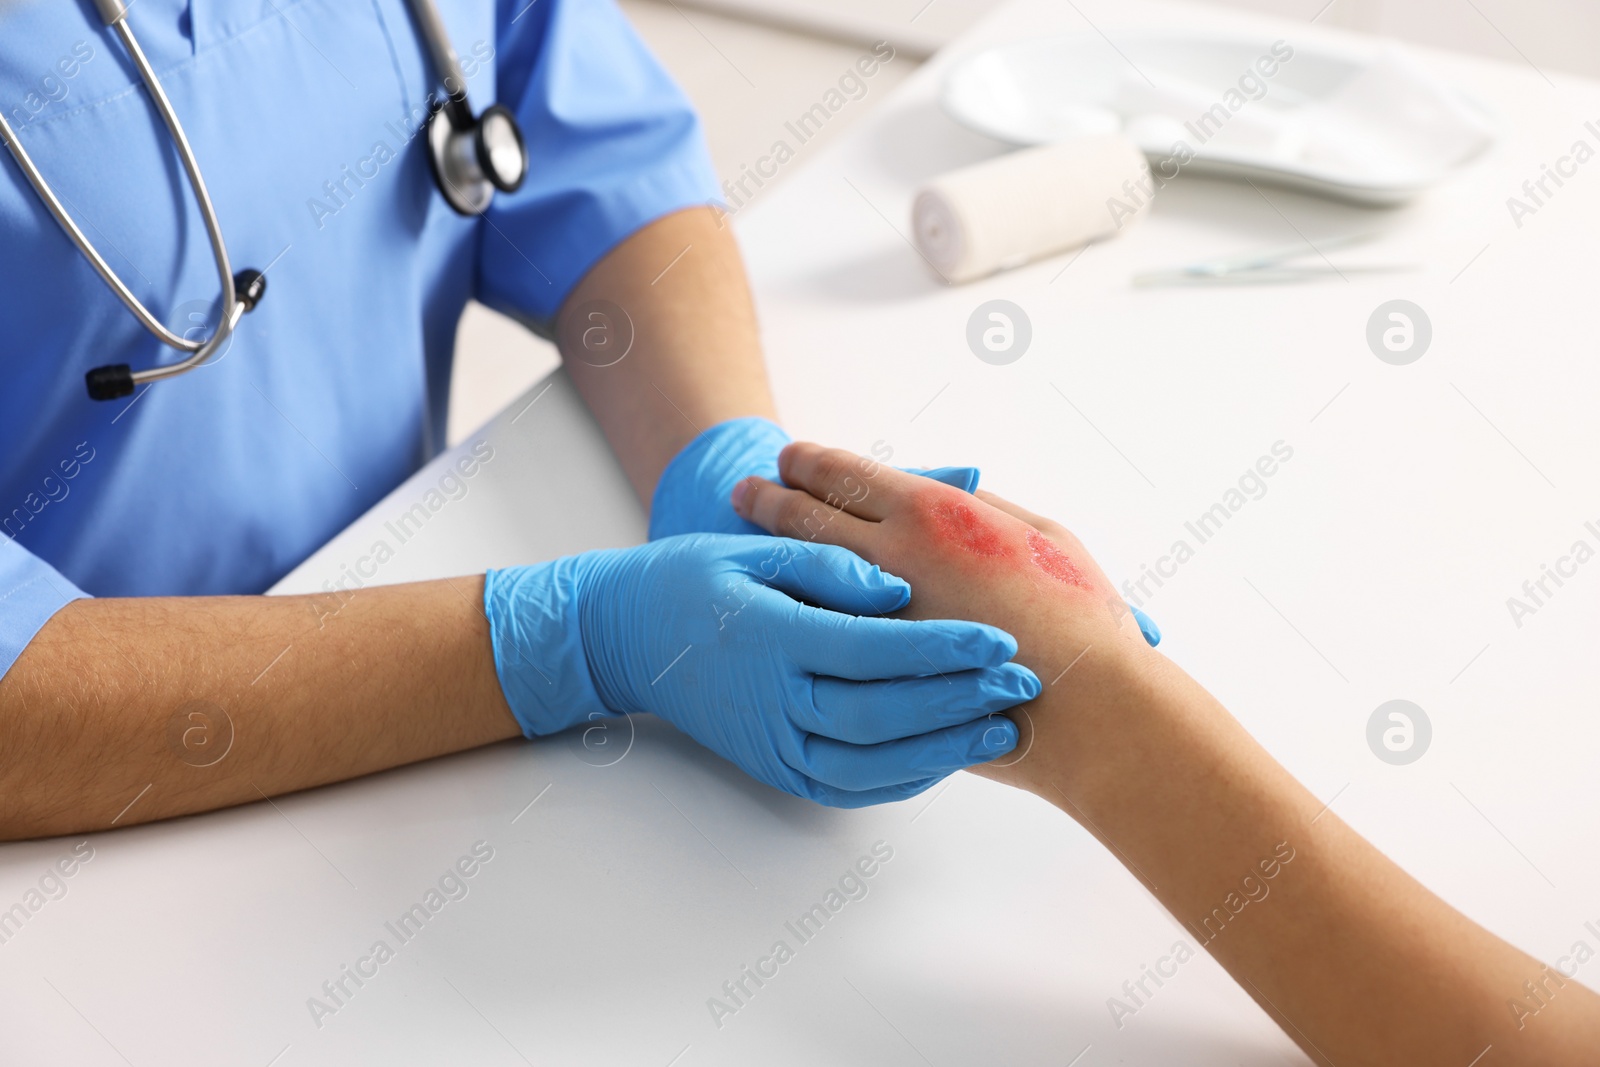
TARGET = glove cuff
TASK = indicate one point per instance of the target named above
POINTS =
(538, 646)
(692, 494)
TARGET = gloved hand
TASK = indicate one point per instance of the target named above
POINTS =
(763, 649)
(694, 491)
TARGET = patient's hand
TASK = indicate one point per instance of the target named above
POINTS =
(1355, 959)
(979, 558)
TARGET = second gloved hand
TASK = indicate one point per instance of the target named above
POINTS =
(766, 650)
(692, 494)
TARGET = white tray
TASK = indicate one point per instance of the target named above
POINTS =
(1413, 131)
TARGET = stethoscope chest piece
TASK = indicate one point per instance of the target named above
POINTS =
(471, 158)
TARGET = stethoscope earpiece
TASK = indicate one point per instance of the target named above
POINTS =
(250, 285)
(116, 380)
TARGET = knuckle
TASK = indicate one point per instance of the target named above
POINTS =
(833, 466)
(792, 510)
(796, 458)
(756, 496)
(805, 517)
(925, 497)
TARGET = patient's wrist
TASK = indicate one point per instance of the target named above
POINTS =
(1094, 699)
(1138, 745)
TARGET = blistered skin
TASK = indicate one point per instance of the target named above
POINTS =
(1048, 557)
(961, 525)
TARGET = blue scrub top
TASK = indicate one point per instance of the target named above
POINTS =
(304, 116)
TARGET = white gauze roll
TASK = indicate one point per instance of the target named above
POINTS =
(1031, 203)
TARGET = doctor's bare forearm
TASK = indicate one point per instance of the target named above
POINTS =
(113, 714)
(695, 356)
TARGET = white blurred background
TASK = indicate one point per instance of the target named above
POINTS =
(749, 64)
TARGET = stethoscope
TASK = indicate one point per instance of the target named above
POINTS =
(470, 159)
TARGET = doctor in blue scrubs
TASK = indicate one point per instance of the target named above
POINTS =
(140, 530)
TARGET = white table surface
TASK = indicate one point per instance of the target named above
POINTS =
(1376, 566)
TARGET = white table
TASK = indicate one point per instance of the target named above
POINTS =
(623, 893)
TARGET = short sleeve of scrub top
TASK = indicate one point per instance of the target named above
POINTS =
(618, 145)
(311, 419)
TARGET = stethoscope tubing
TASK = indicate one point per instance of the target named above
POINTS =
(233, 308)
(454, 123)
(446, 64)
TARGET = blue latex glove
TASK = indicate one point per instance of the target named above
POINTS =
(765, 650)
(1147, 626)
(694, 492)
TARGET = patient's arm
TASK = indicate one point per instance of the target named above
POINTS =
(1354, 959)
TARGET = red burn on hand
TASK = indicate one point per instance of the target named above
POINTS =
(961, 526)
(1048, 557)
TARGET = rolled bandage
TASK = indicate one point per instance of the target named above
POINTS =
(1028, 204)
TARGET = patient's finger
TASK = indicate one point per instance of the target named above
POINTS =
(1000, 503)
(962, 478)
(863, 487)
(795, 513)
